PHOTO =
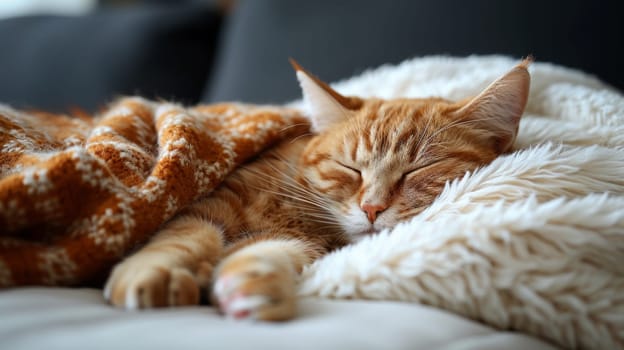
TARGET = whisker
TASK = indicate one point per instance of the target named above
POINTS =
(313, 205)
(314, 210)
(289, 183)
(292, 197)
(293, 126)
(287, 180)
(301, 136)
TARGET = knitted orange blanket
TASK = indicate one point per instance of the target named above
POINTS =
(77, 194)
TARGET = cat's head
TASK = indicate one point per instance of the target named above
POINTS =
(379, 161)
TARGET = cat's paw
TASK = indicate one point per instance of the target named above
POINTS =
(134, 284)
(250, 286)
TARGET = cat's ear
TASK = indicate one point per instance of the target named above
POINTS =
(497, 109)
(325, 107)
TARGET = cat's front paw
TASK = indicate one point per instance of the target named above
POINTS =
(255, 287)
(136, 284)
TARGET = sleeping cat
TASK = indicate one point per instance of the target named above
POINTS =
(367, 165)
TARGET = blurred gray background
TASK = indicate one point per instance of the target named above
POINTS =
(64, 54)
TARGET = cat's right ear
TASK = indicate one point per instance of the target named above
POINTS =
(325, 107)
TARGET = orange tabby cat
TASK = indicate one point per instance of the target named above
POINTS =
(369, 164)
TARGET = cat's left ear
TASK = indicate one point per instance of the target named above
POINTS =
(497, 110)
(325, 106)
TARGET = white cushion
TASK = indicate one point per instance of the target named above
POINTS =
(56, 318)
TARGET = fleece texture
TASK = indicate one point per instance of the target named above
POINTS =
(534, 241)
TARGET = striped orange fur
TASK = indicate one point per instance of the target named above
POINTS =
(369, 164)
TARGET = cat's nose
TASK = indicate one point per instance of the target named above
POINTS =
(372, 210)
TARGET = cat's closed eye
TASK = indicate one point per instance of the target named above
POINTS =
(350, 168)
(419, 168)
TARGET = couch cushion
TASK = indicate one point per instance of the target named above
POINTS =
(55, 318)
(56, 62)
(337, 39)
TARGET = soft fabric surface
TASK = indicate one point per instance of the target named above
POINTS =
(63, 319)
(76, 194)
(532, 242)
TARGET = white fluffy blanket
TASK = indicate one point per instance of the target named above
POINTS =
(533, 242)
